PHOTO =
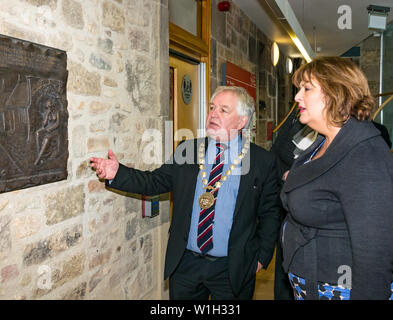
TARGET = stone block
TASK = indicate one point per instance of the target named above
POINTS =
(5, 233)
(131, 229)
(119, 123)
(38, 3)
(61, 40)
(139, 40)
(77, 293)
(96, 107)
(135, 287)
(113, 17)
(64, 204)
(261, 135)
(73, 14)
(99, 126)
(147, 247)
(139, 13)
(98, 277)
(81, 81)
(26, 280)
(252, 50)
(69, 270)
(3, 203)
(106, 45)
(219, 22)
(97, 223)
(25, 226)
(99, 62)
(9, 272)
(97, 144)
(84, 170)
(271, 85)
(110, 82)
(38, 252)
(140, 84)
(95, 186)
(132, 205)
(100, 259)
(79, 141)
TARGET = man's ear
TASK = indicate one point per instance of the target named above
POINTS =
(243, 121)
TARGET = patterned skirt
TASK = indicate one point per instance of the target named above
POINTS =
(326, 291)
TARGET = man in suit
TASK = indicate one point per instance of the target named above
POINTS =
(226, 213)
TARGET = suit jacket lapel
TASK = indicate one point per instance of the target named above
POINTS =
(245, 179)
(192, 175)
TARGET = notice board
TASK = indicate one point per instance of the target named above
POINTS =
(233, 75)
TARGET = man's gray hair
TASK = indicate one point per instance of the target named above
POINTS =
(245, 103)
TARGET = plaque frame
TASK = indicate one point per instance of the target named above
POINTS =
(33, 114)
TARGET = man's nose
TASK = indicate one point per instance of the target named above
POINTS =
(213, 112)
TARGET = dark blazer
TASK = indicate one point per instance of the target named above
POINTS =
(283, 146)
(256, 220)
(384, 133)
(341, 212)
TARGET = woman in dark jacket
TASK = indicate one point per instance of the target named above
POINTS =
(338, 235)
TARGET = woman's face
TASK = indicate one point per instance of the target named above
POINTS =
(311, 104)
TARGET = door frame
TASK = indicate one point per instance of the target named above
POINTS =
(202, 84)
(196, 48)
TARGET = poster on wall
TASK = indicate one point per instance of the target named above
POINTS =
(233, 75)
(33, 114)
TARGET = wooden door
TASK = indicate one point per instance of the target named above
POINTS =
(184, 99)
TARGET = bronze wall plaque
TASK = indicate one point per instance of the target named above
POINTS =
(33, 114)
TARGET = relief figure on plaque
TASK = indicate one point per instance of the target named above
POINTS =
(47, 137)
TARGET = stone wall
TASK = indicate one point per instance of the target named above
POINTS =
(73, 239)
(369, 61)
(237, 39)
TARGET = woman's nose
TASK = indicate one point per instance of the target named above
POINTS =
(299, 96)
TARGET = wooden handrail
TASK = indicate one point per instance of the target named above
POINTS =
(374, 116)
(285, 118)
(383, 105)
(384, 94)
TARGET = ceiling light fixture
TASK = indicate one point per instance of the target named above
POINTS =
(275, 54)
(289, 65)
(299, 45)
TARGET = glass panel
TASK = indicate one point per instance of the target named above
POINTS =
(183, 13)
(387, 82)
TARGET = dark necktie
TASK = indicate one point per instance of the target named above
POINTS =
(206, 216)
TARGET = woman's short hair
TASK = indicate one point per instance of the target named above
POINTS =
(344, 86)
(245, 103)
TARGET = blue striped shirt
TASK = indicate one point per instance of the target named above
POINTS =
(225, 203)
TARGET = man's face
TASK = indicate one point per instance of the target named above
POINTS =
(223, 122)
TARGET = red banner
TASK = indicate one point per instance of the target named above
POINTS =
(233, 75)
